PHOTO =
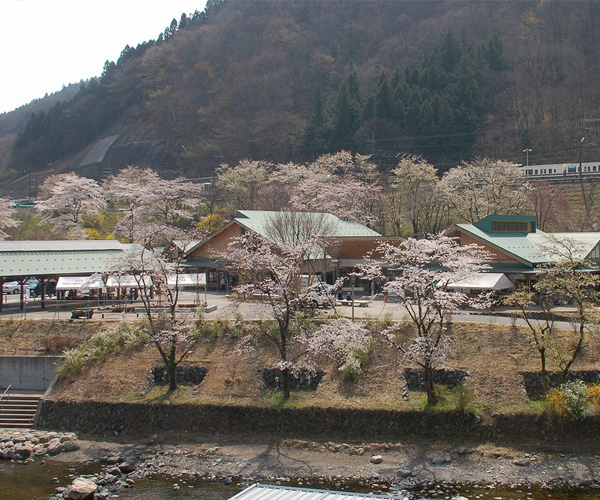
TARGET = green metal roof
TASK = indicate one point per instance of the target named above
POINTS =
(258, 221)
(55, 258)
(534, 248)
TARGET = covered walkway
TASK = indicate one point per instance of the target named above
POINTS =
(49, 260)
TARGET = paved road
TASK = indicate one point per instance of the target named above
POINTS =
(225, 308)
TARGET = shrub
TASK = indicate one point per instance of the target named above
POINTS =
(463, 398)
(554, 403)
(593, 396)
(571, 400)
(577, 404)
(100, 346)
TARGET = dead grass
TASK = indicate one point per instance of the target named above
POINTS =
(492, 354)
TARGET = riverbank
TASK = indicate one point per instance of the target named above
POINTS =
(405, 464)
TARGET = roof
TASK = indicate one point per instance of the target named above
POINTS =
(482, 281)
(54, 258)
(533, 248)
(258, 221)
(268, 492)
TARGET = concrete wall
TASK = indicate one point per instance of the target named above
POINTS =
(27, 372)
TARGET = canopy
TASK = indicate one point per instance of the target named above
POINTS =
(129, 281)
(482, 281)
(80, 283)
(198, 279)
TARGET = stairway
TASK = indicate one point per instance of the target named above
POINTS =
(18, 410)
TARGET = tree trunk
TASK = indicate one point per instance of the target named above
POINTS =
(431, 396)
(285, 382)
(172, 369)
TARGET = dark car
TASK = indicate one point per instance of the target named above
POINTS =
(50, 289)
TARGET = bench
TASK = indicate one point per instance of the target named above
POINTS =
(357, 303)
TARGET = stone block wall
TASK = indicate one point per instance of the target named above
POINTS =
(188, 375)
(300, 380)
(314, 423)
(449, 378)
(534, 384)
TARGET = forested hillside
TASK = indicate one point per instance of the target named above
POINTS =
(288, 80)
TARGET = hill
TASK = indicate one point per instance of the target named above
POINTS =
(287, 80)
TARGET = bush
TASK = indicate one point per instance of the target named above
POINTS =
(554, 403)
(460, 398)
(577, 404)
(593, 396)
(99, 347)
(571, 400)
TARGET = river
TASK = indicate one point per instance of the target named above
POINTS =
(37, 481)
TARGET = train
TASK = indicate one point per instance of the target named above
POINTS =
(562, 171)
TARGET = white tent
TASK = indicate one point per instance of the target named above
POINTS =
(129, 281)
(198, 279)
(83, 283)
(482, 281)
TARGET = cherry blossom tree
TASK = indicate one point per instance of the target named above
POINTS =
(133, 189)
(485, 188)
(343, 341)
(156, 266)
(420, 200)
(429, 267)
(345, 197)
(7, 213)
(239, 185)
(67, 197)
(272, 267)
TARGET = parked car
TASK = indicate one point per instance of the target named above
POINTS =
(316, 299)
(15, 287)
(50, 289)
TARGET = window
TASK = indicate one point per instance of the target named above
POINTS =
(510, 227)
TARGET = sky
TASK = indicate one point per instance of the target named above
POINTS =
(45, 44)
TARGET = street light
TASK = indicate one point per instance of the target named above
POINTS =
(527, 151)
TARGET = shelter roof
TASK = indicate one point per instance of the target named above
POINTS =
(54, 258)
(269, 492)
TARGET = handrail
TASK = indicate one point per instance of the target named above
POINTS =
(4, 393)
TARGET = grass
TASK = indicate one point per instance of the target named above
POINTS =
(99, 347)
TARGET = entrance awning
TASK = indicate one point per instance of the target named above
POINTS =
(482, 281)
(80, 283)
(129, 281)
(198, 279)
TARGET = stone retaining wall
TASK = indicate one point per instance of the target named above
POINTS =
(361, 424)
(188, 375)
(300, 380)
(449, 378)
(534, 385)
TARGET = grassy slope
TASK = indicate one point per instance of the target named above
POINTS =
(492, 354)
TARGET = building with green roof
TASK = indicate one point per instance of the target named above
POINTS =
(346, 242)
(518, 247)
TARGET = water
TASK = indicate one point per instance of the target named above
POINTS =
(172, 489)
(27, 482)
(34, 481)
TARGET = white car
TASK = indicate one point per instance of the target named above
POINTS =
(14, 287)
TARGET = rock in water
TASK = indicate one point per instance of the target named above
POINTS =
(81, 489)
